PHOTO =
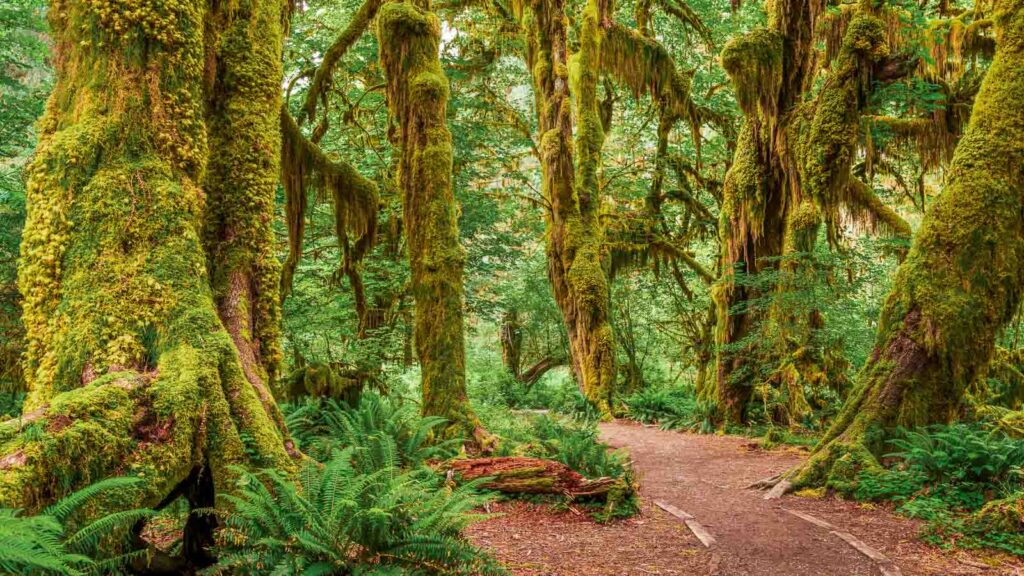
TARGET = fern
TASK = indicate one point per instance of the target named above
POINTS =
(43, 545)
(379, 428)
(352, 515)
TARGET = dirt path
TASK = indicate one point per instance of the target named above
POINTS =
(704, 476)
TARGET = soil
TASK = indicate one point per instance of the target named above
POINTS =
(706, 476)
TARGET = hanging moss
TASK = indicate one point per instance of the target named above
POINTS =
(754, 64)
(320, 84)
(645, 66)
(831, 143)
(355, 198)
(576, 264)
(960, 283)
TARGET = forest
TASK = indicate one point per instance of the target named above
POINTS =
(512, 287)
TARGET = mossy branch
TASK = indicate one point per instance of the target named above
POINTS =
(865, 207)
(355, 197)
(322, 78)
(645, 66)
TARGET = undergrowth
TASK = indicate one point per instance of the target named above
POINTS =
(52, 543)
(351, 515)
(950, 476)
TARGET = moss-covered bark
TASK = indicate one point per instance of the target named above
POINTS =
(409, 38)
(130, 369)
(244, 41)
(959, 285)
(769, 68)
(574, 234)
(791, 172)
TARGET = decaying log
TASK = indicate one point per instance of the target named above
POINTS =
(518, 475)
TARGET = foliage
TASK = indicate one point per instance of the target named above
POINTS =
(52, 544)
(659, 405)
(373, 428)
(943, 474)
(345, 517)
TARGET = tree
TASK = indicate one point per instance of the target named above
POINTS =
(791, 173)
(958, 287)
(146, 265)
(409, 38)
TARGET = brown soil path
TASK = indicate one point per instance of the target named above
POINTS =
(706, 477)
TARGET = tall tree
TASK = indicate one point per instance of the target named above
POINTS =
(958, 287)
(409, 36)
(129, 365)
(791, 175)
(571, 187)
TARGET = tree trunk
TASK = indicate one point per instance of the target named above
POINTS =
(511, 337)
(130, 368)
(769, 68)
(958, 287)
(530, 476)
(791, 172)
(409, 38)
(574, 232)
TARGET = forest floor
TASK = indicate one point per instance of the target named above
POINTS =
(705, 477)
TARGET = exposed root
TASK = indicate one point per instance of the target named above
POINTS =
(764, 483)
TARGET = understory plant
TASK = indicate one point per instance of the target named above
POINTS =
(52, 543)
(321, 426)
(957, 478)
(354, 516)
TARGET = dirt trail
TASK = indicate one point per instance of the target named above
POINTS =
(705, 476)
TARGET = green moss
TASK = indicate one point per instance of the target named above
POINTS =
(129, 367)
(754, 63)
(409, 39)
(241, 180)
(830, 146)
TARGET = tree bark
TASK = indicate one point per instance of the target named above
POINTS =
(130, 368)
(574, 233)
(511, 337)
(958, 287)
(409, 38)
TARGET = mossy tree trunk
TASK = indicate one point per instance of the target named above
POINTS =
(130, 368)
(574, 233)
(958, 287)
(790, 175)
(769, 68)
(409, 37)
(243, 123)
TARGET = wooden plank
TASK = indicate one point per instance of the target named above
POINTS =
(812, 520)
(886, 566)
(698, 530)
(673, 510)
(703, 535)
(862, 547)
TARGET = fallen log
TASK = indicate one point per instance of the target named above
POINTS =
(520, 475)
